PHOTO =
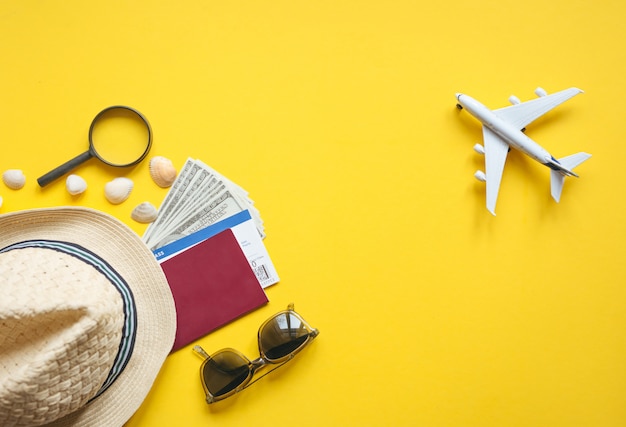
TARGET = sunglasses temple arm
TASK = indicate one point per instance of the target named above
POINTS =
(200, 352)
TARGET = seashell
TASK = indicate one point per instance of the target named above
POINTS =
(144, 213)
(162, 171)
(0, 201)
(14, 179)
(75, 185)
(118, 190)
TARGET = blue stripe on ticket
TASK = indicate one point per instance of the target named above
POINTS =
(200, 235)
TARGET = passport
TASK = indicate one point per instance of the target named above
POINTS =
(212, 284)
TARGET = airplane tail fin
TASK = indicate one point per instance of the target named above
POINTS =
(557, 175)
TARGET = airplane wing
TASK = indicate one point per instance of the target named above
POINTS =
(521, 115)
(495, 157)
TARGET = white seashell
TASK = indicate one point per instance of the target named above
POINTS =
(162, 171)
(0, 201)
(144, 213)
(118, 190)
(14, 178)
(75, 185)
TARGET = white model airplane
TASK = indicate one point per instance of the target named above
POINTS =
(504, 128)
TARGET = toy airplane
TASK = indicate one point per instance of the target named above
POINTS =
(504, 128)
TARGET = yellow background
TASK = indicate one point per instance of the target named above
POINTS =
(339, 119)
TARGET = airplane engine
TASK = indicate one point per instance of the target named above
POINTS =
(479, 149)
(480, 175)
(514, 100)
(540, 92)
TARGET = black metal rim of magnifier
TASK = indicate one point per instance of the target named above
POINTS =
(138, 114)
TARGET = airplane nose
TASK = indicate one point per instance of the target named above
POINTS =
(458, 101)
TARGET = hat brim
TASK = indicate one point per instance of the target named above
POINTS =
(114, 242)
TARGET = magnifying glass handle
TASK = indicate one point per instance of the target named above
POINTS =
(64, 168)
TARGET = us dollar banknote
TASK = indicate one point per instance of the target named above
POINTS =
(199, 197)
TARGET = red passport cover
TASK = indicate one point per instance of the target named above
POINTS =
(212, 284)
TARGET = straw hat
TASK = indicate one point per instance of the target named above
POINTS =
(86, 319)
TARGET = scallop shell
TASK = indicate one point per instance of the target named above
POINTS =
(14, 178)
(75, 185)
(162, 171)
(144, 213)
(118, 190)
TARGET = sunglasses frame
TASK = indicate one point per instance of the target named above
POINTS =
(260, 362)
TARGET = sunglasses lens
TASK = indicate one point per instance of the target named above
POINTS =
(225, 371)
(283, 335)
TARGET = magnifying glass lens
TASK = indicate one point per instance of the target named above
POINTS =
(119, 137)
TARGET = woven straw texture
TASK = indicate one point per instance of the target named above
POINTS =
(61, 320)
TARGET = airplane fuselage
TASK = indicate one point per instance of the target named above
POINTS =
(511, 135)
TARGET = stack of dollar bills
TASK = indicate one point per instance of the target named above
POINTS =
(198, 198)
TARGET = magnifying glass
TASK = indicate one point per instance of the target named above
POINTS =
(119, 136)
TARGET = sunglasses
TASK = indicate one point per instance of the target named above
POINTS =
(228, 371)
